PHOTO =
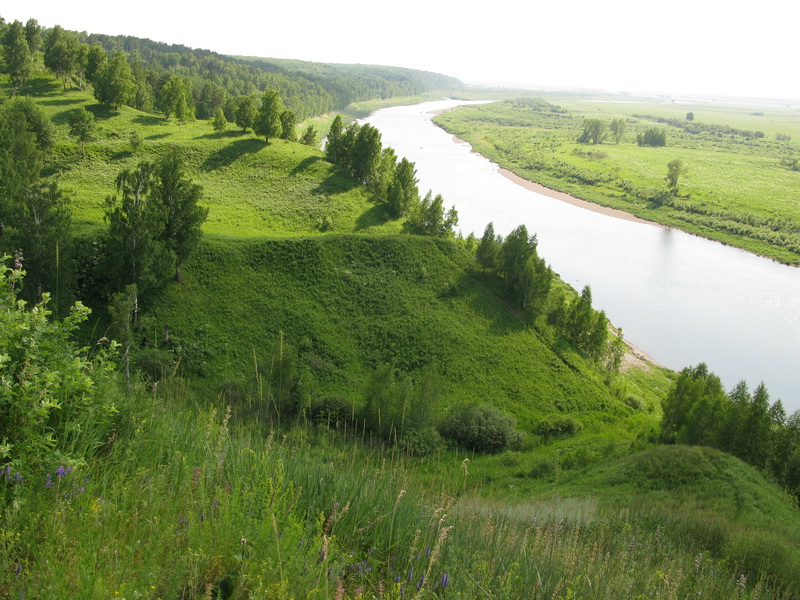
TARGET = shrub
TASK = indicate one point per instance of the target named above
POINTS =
(153, 363)
(420, 441)
(51, 394)
(652, 137)
(557, 426)
(634, 402)
(480, 427)
(330, 411)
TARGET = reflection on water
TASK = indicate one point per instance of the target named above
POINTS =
(682, 298)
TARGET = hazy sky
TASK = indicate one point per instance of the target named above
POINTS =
(676, 47)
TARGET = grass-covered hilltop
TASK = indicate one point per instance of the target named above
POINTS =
(235, 365)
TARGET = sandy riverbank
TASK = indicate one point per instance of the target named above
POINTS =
(564, 197)
(594, 207)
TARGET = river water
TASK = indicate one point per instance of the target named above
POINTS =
(681, 298)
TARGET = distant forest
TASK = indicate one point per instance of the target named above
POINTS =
(214, 80)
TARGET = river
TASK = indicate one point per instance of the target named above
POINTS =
(680, 297)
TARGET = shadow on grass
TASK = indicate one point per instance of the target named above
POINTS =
(490, 300)
(158, 136)
(305, 164)
(231, 153)
(373, 217)
(41, 87)
(221, 135)
(62, 102)
(148, 120)
(336, 183)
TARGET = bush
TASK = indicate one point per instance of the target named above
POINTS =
(420, 441)
(557, 426)
(634, 402)
(331, 411)
(51, 395)
(153, 363)
(480, 427)
(652, 137)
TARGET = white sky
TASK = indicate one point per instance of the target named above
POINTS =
(677, 47)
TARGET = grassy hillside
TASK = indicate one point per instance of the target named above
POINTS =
(348, 305)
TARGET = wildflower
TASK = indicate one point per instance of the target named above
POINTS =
(444, 580)
(742, 582)
(421, 582)
(48, 483)
(18, 260)
(339, 595)
(698, 562)
(17, 569)
(60, 472)
(8, 472)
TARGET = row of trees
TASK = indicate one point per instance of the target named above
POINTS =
(530, 282)
(358, 151)
(697, 411)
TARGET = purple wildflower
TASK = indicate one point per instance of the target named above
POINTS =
(60, 472)
(17, 569)
(444, 580)
(410, 573)
(421, 581)
(397, 579)
(48, 483)
(18, 260)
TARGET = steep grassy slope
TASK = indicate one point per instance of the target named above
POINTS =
(350, 304)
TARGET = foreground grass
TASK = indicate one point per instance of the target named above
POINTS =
(186, 501)
(737, 189)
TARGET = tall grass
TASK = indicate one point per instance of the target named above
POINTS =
(183, 502)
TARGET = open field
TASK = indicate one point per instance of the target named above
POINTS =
(740, 184)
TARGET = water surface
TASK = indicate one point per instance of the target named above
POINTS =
(682, 298)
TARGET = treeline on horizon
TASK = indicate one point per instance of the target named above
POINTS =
(211, 80)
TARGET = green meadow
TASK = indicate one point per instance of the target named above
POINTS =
(740, 178)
